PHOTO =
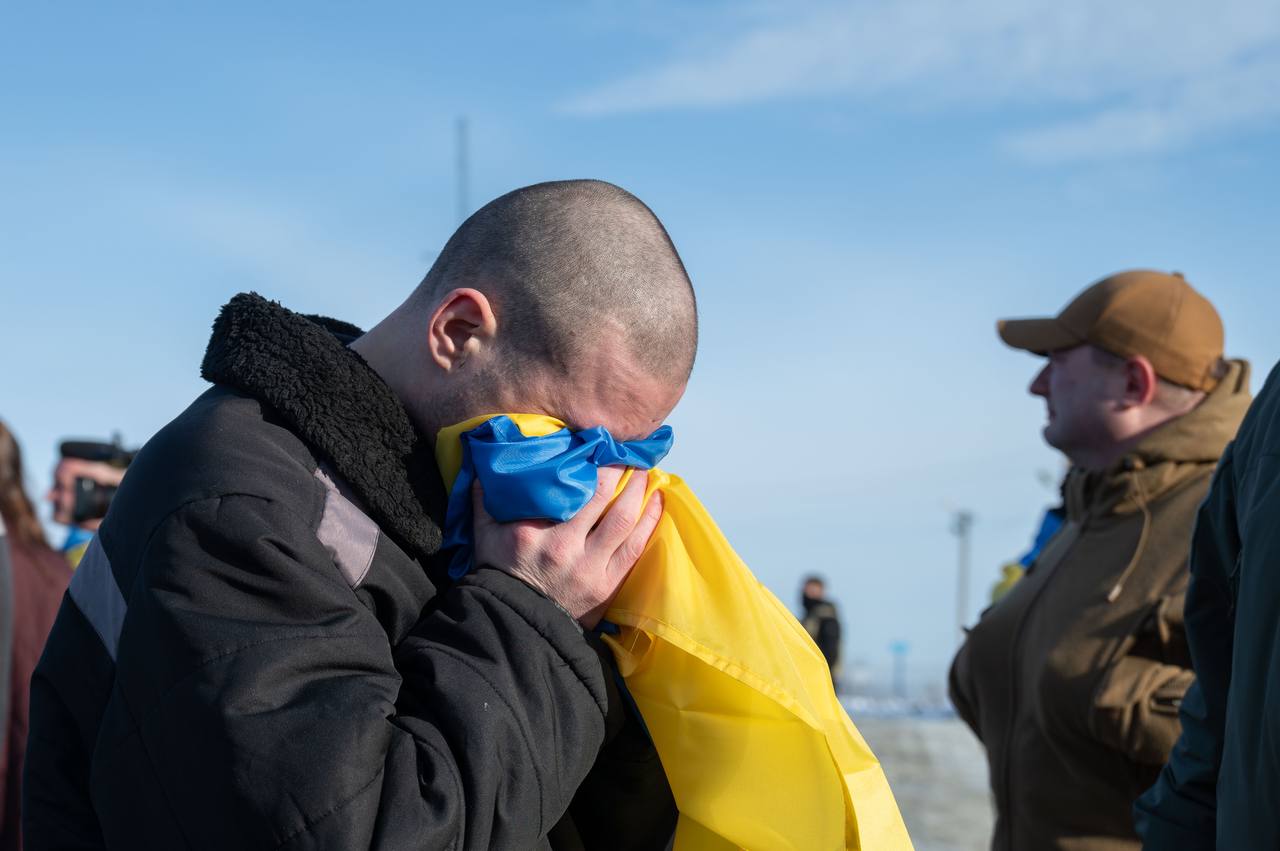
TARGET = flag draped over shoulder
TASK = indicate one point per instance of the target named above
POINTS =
(757, 748)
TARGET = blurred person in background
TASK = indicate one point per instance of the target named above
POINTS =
(84, 482)
(36, 579)
(1073, 679)
(821, 620)
(1221, 786)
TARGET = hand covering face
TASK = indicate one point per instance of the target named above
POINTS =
(737, 698)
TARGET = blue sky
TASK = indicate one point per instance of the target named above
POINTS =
(859, 191)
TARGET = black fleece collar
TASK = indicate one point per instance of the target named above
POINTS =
(334, 401)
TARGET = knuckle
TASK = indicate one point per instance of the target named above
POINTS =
(618, 522)
(616, 517)
(524, 537)
(607, 480)
(632, 550)
(559, 551)
(639, 543)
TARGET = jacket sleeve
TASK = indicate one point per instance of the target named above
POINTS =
(1135, 707)
(275, 713)
(625, 804)
(1179, 812)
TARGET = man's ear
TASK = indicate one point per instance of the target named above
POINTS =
(1141, 381)
(462, 325)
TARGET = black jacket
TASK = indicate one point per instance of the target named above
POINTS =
(1222, 782)
(823, 625)
(260, 651)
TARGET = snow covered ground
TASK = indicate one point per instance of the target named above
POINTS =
(938, 772)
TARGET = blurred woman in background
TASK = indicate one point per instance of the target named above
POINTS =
(29, 599)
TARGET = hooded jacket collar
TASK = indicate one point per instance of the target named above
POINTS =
(1166, 456)
(330, 397)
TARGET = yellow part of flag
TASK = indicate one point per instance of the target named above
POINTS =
(738, 699)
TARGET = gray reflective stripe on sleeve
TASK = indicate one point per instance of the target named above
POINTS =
(96, 594)
(349, 535)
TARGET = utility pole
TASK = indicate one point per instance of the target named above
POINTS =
(464, 204)
(961, 527)
(899, 650)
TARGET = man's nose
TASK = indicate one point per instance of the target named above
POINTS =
(1040, 384)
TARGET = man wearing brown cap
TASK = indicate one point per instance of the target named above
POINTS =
(1072, 681)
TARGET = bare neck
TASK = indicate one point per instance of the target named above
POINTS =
(395, 355)
(1101, 458)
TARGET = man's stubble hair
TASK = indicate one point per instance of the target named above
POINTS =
(565, 265)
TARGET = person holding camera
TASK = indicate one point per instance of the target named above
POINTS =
(84, 482)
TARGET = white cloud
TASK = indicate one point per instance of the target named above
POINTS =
(1233, 98)
(1140, 76)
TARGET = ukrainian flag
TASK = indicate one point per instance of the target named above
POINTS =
(739, 701)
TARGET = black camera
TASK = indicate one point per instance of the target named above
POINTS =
(92, 498)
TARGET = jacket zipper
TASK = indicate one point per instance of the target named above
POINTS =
(1015, 659)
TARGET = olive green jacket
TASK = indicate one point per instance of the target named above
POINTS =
(1072, 680)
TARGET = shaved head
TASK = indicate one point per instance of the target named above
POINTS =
(565, 298)
(567, 265)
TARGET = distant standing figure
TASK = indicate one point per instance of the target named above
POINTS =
(36, 580)
(84, 483)
(821, 620)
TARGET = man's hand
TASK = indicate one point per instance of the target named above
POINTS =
(580, 564)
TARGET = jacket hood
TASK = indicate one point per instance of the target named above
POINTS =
(1204, 432)
(330, 397)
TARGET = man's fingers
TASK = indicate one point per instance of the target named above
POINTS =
(606, 484)
(634, 546)
(621, 517)
(581, 563)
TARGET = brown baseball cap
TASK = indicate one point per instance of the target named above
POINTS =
(1141, 312)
